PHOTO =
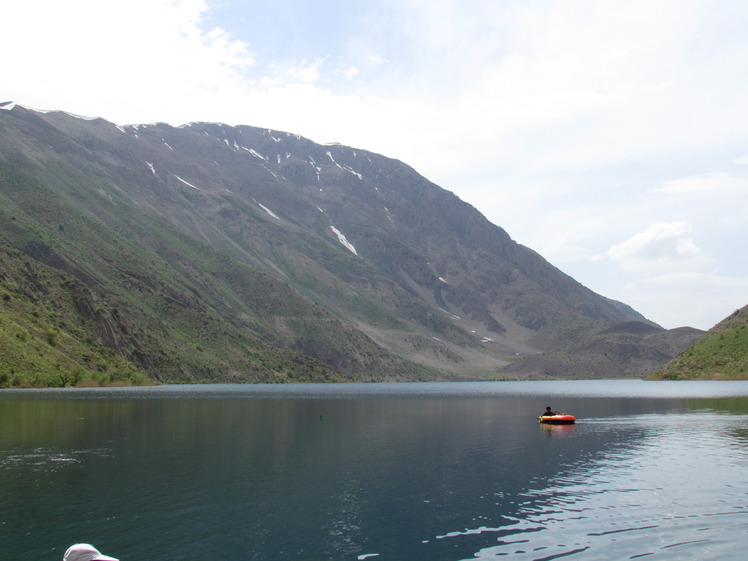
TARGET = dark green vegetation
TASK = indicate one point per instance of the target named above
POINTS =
(209, 253)
(41, 340)
(720, 354)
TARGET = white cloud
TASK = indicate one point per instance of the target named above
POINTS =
(126, 61)
(661, 241)
(306, 72)
(350, 71)
(377, 60)
(564, 121)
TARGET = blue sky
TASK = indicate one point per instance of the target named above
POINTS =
(610, 137)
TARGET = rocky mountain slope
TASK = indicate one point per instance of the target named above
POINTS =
(216, 253)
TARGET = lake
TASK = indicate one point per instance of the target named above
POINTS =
(384, 472)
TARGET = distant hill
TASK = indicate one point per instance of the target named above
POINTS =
(626, 350)
(720, 354)
(208, 253)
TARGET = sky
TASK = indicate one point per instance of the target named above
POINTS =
(610, 137)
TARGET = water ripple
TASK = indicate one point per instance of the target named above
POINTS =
(633, 503)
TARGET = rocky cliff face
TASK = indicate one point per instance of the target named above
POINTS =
(332, 254)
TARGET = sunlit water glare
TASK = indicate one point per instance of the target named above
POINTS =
(678, 494)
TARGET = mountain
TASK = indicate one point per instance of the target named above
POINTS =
(208, 252)
(719, 354)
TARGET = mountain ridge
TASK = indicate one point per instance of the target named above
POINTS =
(418, 277)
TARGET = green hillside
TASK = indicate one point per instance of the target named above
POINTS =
(83, 305)
(42, 340)
(208, 253)
(720, 354)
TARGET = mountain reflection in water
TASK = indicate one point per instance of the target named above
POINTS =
(377, 471)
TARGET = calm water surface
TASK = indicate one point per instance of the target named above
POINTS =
(404, 472)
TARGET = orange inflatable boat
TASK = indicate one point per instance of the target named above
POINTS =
(559, 419)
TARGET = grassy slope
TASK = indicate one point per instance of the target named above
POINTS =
(91, 305)
(722, 353)
(43, 340)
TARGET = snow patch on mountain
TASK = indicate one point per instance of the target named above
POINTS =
(343, 167)
(133, 129)
(388, 214)
(187, 183)
(316, 167)
(342, 239)
(256, 153)
(270, 212)
(259, 156)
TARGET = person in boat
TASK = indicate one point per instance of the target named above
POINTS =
(85, 552)
(548, 412)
